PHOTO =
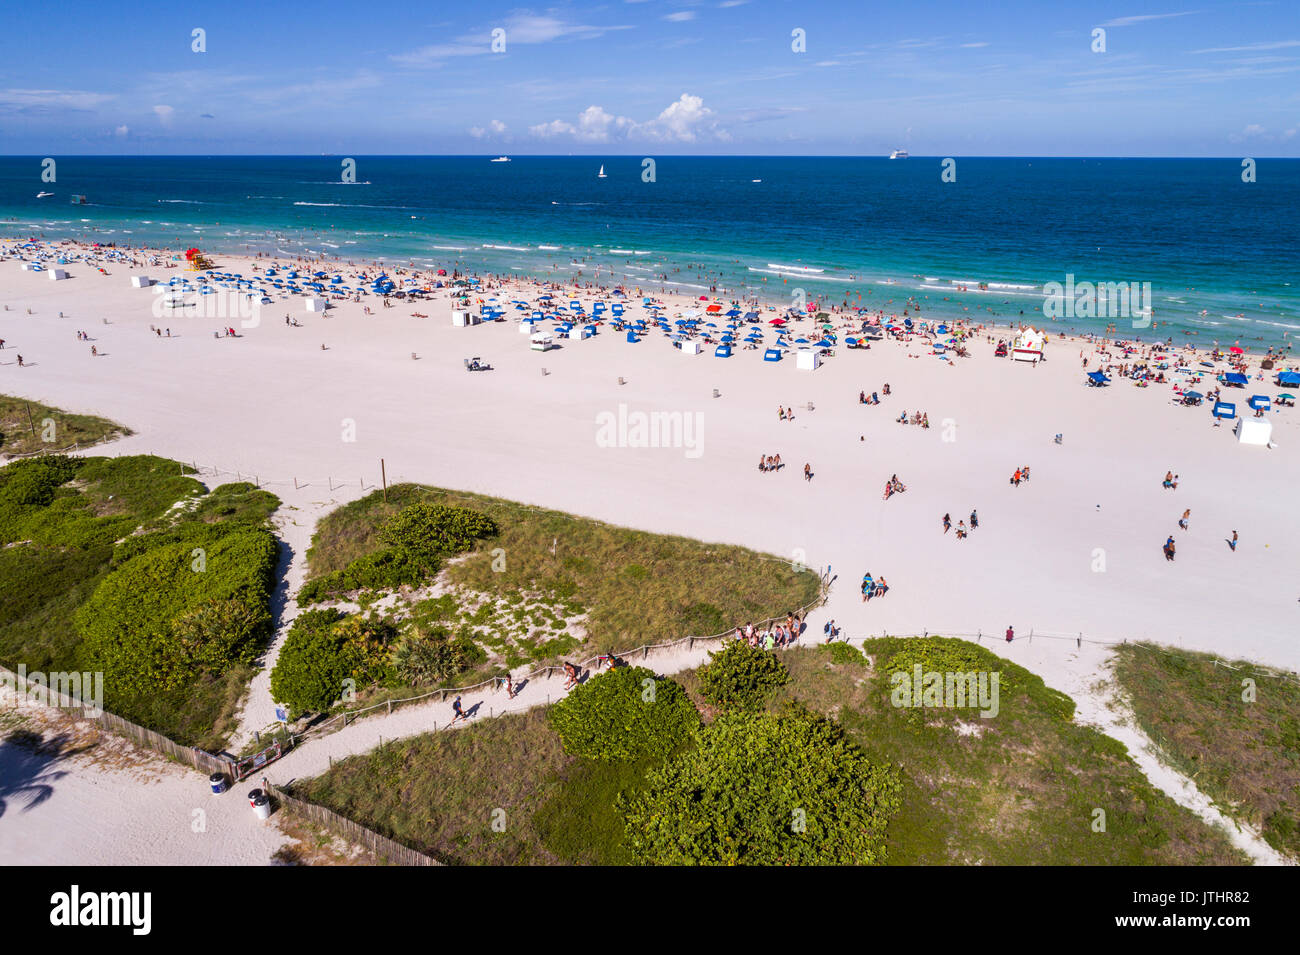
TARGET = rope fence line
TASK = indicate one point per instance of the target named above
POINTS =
(336, 723)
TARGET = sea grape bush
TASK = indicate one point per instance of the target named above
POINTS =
(416, 540)
(741, 677)
(762, 789)
(619, 716)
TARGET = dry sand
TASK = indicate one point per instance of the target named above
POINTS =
(271, 403)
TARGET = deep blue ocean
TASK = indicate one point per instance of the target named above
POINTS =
(1222, 256)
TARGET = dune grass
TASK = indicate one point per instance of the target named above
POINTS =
(55, 552)
(1239, 741)
(636, 588)
(1021, 788)
(24, 425)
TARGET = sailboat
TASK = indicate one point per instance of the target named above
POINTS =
(601, 174)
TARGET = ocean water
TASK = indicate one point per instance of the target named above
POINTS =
(1221, 255)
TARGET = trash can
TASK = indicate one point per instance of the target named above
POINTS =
(262, 806)
(219, 784)
(254, 795)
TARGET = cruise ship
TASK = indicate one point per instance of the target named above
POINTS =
(898, 154)
(500, 159)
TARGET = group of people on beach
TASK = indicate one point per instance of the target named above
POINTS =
(770, 462)
(920, 417)
(785, 414)
(962, 530)
(894, 486)
(872, 587)
(875, 398)
(1022, 474)
(777, 635)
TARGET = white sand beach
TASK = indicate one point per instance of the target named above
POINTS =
(1075, 550)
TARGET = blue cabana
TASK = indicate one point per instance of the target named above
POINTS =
(1259, 402)
(1097, 379)
(722, 351)
(1224, 409)
(1288, 378)
(772, 354)
(631, 337)
(1235, 379)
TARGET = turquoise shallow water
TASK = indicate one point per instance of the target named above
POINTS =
(1221, 255)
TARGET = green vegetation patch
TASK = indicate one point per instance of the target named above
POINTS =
(29, 426)
(1234, 729)
(131, 567)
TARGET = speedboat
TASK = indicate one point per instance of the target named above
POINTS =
(42, 195)
(898, 154)
(501, 159)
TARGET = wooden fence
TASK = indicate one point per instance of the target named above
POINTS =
(392, 852)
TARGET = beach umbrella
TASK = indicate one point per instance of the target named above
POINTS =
(1235, 350)
(1288, 397)
(1195, 395)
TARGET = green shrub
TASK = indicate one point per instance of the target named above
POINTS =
(426, 659)
(740, 676)
(844, 653)
(313, 663)
(618, 715)
(418, 537)
(431, 531)
(765, 790)
(155, 623)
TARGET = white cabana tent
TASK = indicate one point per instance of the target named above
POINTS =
(461, 318)
(690, 348)
(1258, 431)
(807, 359)
(313, 304)
(141, 281)
(1028, 345)
(57, 274)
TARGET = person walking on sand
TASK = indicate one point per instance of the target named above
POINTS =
(20, 361)
(1169, 548)
(1232, 544)
(947, 523)
(974, 519)
(1183, 522)
(457, 711)
(807, 472)
(1011, 634)
(571, 675)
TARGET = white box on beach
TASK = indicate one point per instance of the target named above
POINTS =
(690, 348)
(807, 359)
(1258, 431)
(28, 267)
(141, 281)
(460, 319)
(57, 274)
(314, 304)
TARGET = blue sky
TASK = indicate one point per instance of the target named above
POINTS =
(950, 77)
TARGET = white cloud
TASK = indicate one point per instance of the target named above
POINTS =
(522, 28)
(556, 127)
(1279, 45)
(687, 120)
(165, 114)
(733, 3)
(33, 100)
(495, 127)
(122, 132)
(1129, 21)
(974, 46)
(684, 121)
(680, 16)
